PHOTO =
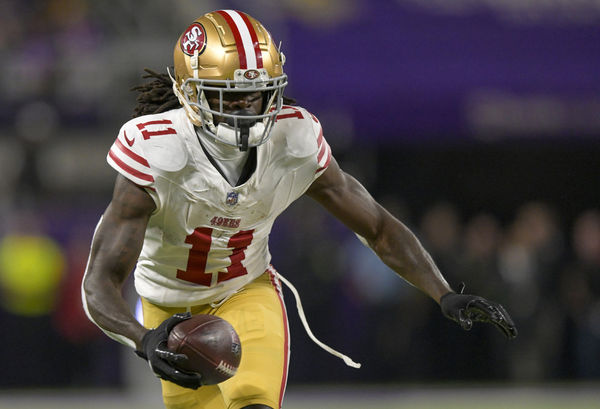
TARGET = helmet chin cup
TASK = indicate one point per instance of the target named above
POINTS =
(243, 137)
(242, 122)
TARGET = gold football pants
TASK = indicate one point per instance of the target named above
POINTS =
(257, 313)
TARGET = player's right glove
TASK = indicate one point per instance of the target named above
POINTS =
(162, 361)
(466, 309)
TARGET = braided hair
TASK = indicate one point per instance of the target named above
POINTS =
(156, 95)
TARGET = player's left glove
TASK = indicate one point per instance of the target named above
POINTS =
(466, 309)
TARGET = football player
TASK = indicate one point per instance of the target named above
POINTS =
(210, 160)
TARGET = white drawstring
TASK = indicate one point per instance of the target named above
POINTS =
(327, 348)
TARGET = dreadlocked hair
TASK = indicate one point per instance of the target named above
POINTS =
(156, 96)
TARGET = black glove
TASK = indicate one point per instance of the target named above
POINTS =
(466, 309)
(162, 361)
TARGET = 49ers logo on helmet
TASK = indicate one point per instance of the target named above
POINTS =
(251, 74)
(194, 38)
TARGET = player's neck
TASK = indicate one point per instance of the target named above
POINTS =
(228, 160)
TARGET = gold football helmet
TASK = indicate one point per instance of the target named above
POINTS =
(229, 51)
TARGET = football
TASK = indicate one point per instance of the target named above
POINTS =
(211, 344)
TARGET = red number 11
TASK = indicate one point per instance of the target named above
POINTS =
(201, 240)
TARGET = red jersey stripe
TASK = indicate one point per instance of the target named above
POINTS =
(326, 162)
(128, 169)
(297, 114)
(322, 151)
(157, 122)
(131, 154)
(320, 138)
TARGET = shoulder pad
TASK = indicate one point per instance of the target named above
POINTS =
(148, 145)
(299, 131)
(160, 138)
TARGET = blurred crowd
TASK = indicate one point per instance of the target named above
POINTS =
(545, 273)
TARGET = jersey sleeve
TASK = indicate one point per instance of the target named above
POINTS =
(304, 141)
(304, 150)
(127, 158)
(323, 149)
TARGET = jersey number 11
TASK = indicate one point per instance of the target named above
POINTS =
(201, 240)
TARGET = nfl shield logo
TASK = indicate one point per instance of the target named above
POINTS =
(232, 198)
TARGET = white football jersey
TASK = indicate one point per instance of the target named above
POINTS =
(207, 239)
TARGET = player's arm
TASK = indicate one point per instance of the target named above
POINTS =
(116, 246)
(345, 198)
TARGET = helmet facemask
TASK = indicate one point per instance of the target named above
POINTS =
(235, 128)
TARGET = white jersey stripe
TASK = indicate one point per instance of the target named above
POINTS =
(324, 161)
(242, 29)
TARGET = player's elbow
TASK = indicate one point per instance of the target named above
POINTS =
(88, 293)
(381, 246)
(91, 293)
(391, 245)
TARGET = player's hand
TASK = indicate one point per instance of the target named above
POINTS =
(162, 361)
(466, 309)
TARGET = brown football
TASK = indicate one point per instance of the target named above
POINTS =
(211, 344)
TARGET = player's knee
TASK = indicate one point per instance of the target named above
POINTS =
(248, 389)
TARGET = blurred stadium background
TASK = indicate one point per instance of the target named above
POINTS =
(476, 122)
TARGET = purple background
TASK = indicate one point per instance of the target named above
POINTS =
(404, 72)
